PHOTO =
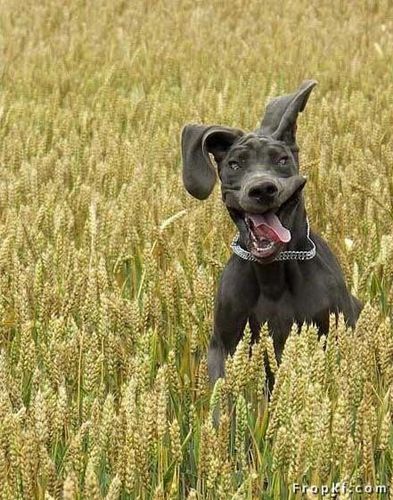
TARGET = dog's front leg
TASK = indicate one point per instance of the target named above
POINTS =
(222, 343)
(236, 296)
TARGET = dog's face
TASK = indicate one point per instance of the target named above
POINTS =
(259, 173)
(261, 189)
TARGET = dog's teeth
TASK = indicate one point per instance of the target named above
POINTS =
(265, 247)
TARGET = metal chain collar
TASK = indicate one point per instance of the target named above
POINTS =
(287, 255)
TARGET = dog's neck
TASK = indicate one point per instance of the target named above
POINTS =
(298, 229)
(279, 274)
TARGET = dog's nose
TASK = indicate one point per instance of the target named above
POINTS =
(265, 191)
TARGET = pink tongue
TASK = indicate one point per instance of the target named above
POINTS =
(269, 226)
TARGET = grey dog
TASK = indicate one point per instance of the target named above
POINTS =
(281, 272)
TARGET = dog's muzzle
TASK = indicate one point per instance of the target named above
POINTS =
(263, 199)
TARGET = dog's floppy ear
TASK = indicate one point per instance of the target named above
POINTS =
(279, 120)
(197, 141)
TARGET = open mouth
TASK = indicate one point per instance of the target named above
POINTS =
(267, 235)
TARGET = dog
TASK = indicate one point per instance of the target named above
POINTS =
(280, 272)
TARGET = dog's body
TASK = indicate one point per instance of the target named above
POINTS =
(262, 190)
(280, 294)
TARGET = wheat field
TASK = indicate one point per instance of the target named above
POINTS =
(108, 268)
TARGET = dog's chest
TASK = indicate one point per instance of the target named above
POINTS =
(267, 309)
(282, 311)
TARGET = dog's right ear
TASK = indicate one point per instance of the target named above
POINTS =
(281, 114)
(197, 141)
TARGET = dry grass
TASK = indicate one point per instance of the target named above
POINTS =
(108, 268)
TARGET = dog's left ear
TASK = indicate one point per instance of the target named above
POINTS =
(197, 141)
(279, 121)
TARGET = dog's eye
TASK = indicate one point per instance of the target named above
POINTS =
(234, 165)
(282, 160)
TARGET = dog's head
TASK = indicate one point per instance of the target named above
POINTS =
(259, 172)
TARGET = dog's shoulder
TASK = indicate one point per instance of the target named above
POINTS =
(325, 253)
(237, 281)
